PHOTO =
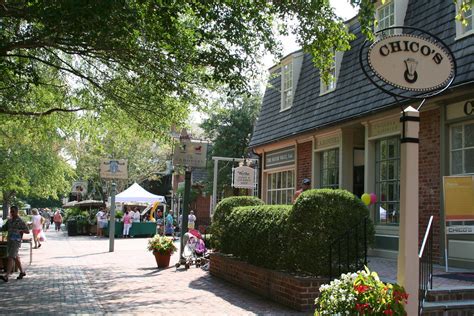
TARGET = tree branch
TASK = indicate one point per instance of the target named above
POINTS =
(50, 111)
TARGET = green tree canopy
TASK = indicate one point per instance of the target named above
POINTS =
(229, 128)
(147, 58)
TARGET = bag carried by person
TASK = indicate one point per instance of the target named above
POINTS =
(42, 236)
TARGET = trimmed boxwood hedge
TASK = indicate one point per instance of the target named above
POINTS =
(223, 209)
(256, 234)
(295, 238)
(319, 217)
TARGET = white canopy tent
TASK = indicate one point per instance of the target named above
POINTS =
(135, 193)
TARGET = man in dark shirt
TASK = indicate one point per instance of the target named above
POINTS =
(304, 186)
(16, 227)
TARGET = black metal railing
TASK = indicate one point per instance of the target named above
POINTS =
(348, 252)
(425, 257)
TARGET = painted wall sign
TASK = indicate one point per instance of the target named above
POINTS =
(384, 128)
(459, 230)
(244, 177)
(279, 158)
(325, 142)
(461, 109)
(411, 62)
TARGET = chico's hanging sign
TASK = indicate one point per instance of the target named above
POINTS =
(411, 62)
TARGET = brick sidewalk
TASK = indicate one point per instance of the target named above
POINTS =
(78, 275)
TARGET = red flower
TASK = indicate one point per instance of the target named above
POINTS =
(361, 288)
(388, 312)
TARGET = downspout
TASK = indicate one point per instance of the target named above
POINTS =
(259, 187)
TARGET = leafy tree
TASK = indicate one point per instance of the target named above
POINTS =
(31, 163)
(148, 57)
(229, 128)
(113, 136)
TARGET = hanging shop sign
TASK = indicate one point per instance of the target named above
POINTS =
(113, 169)
(79, 187)
(243, 177)
(191, 154)
(411, 62)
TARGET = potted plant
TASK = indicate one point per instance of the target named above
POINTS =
(361, 293)
(162, 248)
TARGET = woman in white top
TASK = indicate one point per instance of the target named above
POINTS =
(37, 223)
(136, 215)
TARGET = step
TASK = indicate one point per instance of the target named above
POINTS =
(460, 294)
(448, 308)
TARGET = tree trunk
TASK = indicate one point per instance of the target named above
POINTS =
(6, 202)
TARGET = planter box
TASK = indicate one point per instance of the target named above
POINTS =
(297, 292)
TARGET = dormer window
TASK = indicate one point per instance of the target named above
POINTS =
(331, 85)
(386, 16)
(287, 86)
(326, 87)
(466, 28)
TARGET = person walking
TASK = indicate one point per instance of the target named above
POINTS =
(101, 221)
(58, 220)
(191, 220)
(37, 222)
(47, 219)
(305, 185)
(127, 224)
(15, 227)
(169, 231)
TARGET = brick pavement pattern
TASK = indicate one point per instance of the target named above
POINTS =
(78, 275)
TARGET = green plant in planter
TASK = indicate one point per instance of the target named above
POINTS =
(161, 244)
(118, 215)
(361, 293)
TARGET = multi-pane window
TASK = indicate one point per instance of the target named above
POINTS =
(386, 16)
(331, 85)
(462, 148)
(468, 16)
(287, 83)
(387, 180)
(330, 168)
(280, 187)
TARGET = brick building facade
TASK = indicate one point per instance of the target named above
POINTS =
(346, 133)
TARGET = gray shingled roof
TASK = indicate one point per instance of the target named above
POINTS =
(354, 96)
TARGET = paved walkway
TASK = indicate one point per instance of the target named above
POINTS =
(77, 275)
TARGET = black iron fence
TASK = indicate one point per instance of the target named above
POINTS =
(348, 252)
(425, 257)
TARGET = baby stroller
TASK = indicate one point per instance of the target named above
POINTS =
(194, 252)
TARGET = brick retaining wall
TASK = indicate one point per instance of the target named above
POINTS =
(293, 291)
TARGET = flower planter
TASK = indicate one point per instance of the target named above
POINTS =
(162, 260)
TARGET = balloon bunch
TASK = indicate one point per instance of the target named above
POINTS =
(369, 198)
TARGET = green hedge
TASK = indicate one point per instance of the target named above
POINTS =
(256, 234)
(296, 238)
(222, 211)
(319, 217)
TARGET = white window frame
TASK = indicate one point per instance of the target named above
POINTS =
(379, 181)
(324, 167)
(287, 82)
(334, 71)
(331, 85)
(462, 149)
(381, 20)
(461, 31)
(289, 187)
